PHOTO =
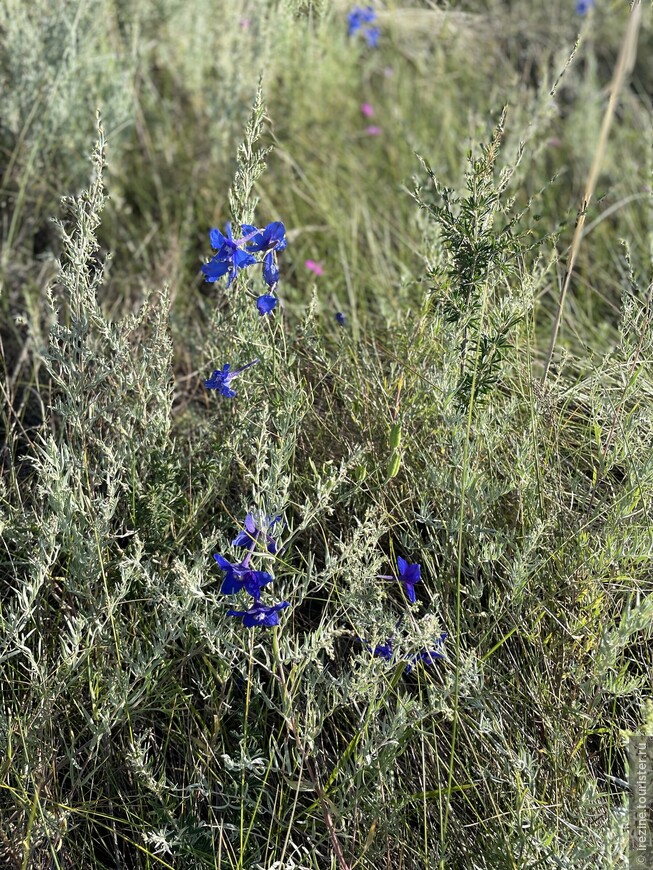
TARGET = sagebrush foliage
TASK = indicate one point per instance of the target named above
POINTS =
(140, 726)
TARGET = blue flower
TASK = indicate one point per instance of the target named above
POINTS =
(357, 19)
(229, 257)
(272, 240)
(428, 656)
(266, 303)
(382, 650)
(253, 531)
(220, 380)
(372, 36)
(409, 576)
(260, 614)
(240, 576)
(340, 317)
(583, 6)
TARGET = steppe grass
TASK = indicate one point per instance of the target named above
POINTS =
(140, 725)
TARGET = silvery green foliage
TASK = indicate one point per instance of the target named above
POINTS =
(60, 61)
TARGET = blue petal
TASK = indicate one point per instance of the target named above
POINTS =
(223, 563)
(227, 391)
(270, 270)
(236, 612)
(242, 539)
(402, 565)
(265, 304)
(215, 269)
(275, 235)
(242, 259)
(250, 524)
(410, 592)
(217, 239)
(412, 573)
(231, 584)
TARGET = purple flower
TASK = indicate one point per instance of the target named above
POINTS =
(340, 318)
(240, 576)
(260, 614)
(266, 303)
(229, 258)
(254, 530)
(428, 656)
(220, 380)
(409, 576)
(583, 6)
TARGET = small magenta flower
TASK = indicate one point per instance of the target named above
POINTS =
(260, 614)
(240, 576)
(220, 380)
(254, 531)
(373, 130)
(340, 318)
(266, 303)
(409, 576)
(314, 267)
(367, 110)
(229, 259)
(583, 6)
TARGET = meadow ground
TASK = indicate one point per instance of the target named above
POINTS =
(436, 169)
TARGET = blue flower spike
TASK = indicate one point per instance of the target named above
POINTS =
(260, 614)
(221, 380)
(254, 531)
(409, 576)
(240, 576)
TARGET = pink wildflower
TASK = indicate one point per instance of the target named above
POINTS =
(373, 131)
(367, 109)
(312, 266)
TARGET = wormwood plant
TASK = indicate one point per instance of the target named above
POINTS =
(480, 260)
(467, 629)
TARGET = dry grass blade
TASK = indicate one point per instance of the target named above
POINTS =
(624, 65)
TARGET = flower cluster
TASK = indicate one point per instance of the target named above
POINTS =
(232, 255)
(359, 20)
(240, 576)
(409, 575)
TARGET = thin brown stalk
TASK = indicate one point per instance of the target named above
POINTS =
(624, 65)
